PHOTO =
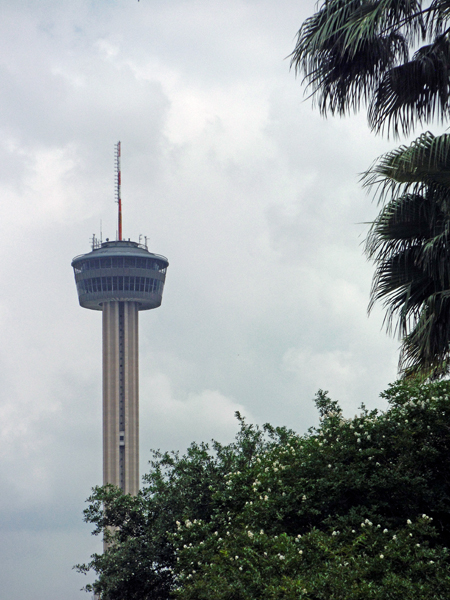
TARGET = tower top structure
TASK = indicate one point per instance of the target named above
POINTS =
(120, 271)
(120, 278)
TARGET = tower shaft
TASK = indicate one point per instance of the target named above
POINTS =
(120, 278)
(121, 395)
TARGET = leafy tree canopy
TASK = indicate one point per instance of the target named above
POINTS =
(355, 509)
(391, 55)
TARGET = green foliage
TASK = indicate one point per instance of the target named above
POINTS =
(355, 509)
(358, 52)
(409, 244)
(354, 52)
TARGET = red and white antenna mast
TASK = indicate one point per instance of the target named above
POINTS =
(118, 190)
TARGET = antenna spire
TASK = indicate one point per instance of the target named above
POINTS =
(118, 190)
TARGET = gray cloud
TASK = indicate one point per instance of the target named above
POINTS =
(251, 195)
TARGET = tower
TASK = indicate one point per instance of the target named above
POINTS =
(120, 278)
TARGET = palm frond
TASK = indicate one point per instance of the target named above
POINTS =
(427, 348)
(356, 52)
(438, 15)
(409, 242)
(405, 218)
(403, 287)
(424, 164)
(341, 56)
(416, 91)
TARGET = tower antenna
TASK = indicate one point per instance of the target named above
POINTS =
(118, 190)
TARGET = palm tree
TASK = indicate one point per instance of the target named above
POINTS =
(355, 52)
(393, 56)
(410, 245)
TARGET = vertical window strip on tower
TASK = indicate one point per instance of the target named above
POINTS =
(122, 359)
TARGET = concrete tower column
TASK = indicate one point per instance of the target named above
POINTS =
(120, 278)
(121, 395)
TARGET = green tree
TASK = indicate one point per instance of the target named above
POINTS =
(354, 509)
(354, 52)
(394, 57)
(410, 245)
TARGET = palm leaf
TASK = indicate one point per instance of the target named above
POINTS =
(424, 164)
(357, 52)
(437, 16)
(426, 349)
(417, 90)
(409, 243)
(340, 55)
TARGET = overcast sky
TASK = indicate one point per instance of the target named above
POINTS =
(252, 196)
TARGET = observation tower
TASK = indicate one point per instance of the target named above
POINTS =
(120, 278)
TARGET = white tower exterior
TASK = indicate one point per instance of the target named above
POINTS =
(121, 395)
(121, 279)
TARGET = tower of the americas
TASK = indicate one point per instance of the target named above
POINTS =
(120, 278)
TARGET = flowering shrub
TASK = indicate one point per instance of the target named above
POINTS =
(355, 509)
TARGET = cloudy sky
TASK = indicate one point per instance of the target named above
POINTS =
(231, 174)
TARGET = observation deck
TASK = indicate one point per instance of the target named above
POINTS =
(120, 271)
